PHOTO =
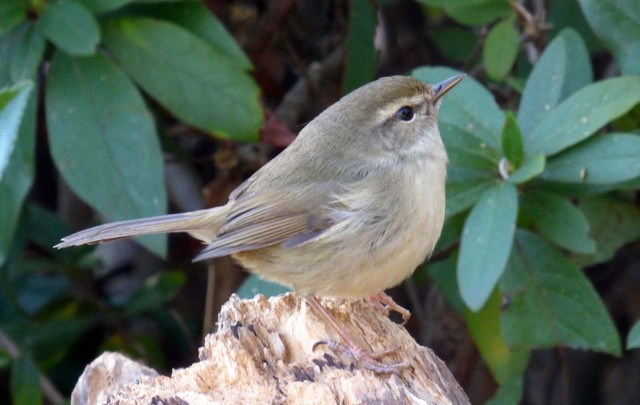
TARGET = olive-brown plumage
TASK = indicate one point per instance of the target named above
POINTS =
(349, 209)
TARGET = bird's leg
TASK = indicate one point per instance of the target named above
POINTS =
(387, 304)
(366, 360)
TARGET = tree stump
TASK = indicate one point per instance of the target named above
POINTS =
(263, 353)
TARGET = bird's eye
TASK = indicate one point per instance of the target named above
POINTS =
(405, 113)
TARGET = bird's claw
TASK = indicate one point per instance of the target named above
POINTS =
(368, 361)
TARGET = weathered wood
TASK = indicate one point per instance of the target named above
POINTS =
(262, 353)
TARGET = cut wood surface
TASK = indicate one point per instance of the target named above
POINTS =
(263, 353)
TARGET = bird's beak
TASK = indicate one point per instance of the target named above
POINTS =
(444, 86)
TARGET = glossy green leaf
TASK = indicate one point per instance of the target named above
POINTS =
(12, 13)
(21, 51)
(551, 302)
(5, 360)
(512, 141)
(633, 338)
(567, 14)
(629, 122)
(51, 339)
(464, 194)
(582, 114)
(37, 291)
(469, 107)
(197, 18)
(254, 285)
(104, 6)
(563, 68)
(13, 102)
(25, 382)
(466, 150)
(478, 12)
(610, 158)
(613, 224)
(361, 55)
(510, 391)
(504, 362)
(44, 227)
(558, 220)
(454, 42)
(103, 140)
(486, 242)
(617, 23)
(17, 179)
(189, 77)
(500, 49)
(532, 166)
(70, 26)
(443, 274)
(442, 3)
(156, 291)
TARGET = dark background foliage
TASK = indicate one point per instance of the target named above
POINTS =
(120, 109)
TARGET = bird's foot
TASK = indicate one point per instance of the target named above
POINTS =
(367, 361)
(385, 304)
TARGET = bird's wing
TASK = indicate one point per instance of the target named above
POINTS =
(271, 217)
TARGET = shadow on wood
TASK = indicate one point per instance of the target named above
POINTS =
(262, 353)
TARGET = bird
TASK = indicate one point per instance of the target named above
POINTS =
(350, 208)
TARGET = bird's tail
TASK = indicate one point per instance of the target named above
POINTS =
(202, 224)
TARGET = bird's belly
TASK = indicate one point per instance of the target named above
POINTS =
(354, 265)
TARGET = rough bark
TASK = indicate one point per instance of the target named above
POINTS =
(263, 353)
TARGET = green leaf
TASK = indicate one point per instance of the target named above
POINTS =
(558, 220)
(71, 27)
(25, 382)
(103, 140)
(486, 242)
(454, 42)
(477, 12)
(469, 107)
(37, 291)
(254, 285)
(104, 6)
(563, 68)
(567, 14)
(442, 3)
(17, 179)
(551, 302)
(197, 18)
(464, 194)
(190, 78)
(44, 227)
(12, 13)
(466, 150)
(50, 340)
(531, 167)
(443, 274)
(512, 141)
(582, 114)
(5, 359)
(13, 102)
(617, 23)
(504, 361)
(611, 158)
(156, 291)
(510, 392)
(613, 224)
(20, 53)
(633, 338)
(500, 49)
(361, 55)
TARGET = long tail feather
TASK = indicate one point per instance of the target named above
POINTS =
(203, 224)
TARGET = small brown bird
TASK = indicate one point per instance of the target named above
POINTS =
(349, 209)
